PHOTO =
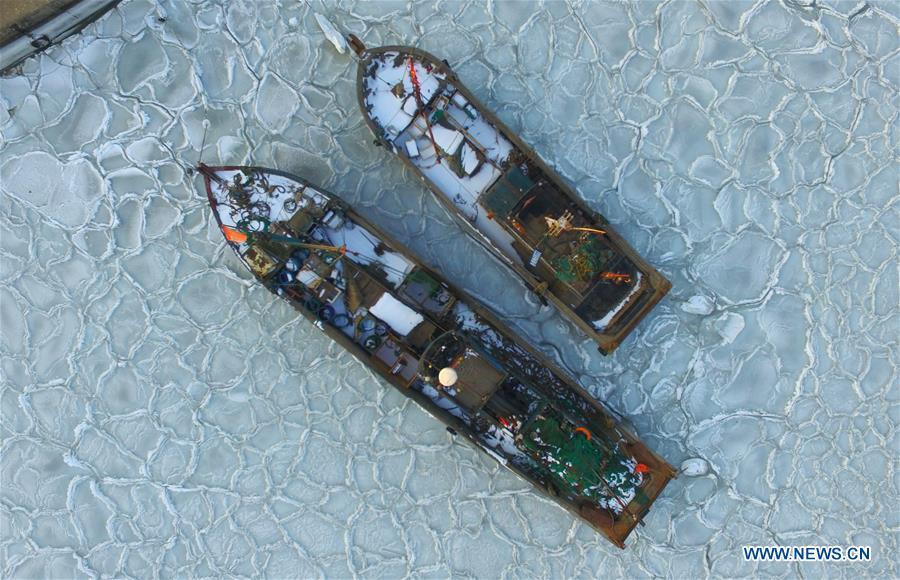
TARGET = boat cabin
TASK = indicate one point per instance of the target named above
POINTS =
(460, 371)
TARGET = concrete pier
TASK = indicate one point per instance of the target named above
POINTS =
(30, 26)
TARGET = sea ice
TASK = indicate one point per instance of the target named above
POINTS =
(699, 304)
(276, 103)
(85, 122)
(139, 61)
(163, 413)
(331, 33)
(66, 193)
(694, 467)
(743, 268)
(729, 326)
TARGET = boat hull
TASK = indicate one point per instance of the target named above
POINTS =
(615, 530)
(654, 285)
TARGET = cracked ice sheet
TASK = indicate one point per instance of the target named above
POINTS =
(161, 412)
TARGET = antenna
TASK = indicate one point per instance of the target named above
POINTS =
(203, 141)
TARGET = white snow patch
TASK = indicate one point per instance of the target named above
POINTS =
(447, 139)
(469, 159)
(391, 112)
(445, 403)
(503, 438)
(360, 241)
(604, 322)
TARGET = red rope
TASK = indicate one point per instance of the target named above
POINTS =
(418, 93)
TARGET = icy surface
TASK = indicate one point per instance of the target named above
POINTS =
(699, 304)
(333, 35)
(694, 467)
(161, 413)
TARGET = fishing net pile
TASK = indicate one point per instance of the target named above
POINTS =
(582, 465)
(587, 260)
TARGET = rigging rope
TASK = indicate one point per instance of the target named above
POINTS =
(418, 93)
(242, 236)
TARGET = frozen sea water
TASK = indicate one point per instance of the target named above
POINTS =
(163, 415)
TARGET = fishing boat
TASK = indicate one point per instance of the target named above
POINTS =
(436, 345)
(503, 193)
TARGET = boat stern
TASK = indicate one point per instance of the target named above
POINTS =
(618, 323)
(657, 474)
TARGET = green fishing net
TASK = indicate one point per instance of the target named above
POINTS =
(587, 260)
(580, 464)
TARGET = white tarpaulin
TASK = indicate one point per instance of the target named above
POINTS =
(396, 314)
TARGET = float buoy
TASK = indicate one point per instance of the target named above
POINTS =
(448, 377)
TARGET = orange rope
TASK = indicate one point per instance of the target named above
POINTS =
(240, 237)
(615, 277)
(592, 230)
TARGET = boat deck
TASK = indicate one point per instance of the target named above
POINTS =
(504, 194)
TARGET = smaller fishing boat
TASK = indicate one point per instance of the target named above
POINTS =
(503, 193)
(436, 345)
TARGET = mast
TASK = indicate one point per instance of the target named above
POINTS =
(418, 93)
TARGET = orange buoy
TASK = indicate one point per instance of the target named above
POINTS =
(233, 235)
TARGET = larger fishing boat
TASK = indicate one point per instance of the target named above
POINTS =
(436, 345)
(503, 193)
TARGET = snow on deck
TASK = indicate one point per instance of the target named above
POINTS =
(471, 322)
(389, 111)
(604, 322)
(463, 193)
(363, 243)
(395, 115)
(623, 489)
(445, 403)
(502, 439)
(495, 145)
